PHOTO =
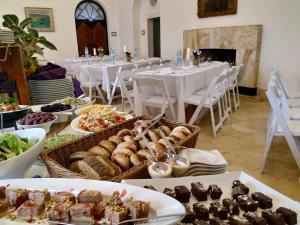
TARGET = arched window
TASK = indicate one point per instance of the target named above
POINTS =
(89, 10)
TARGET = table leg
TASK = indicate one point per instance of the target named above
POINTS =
(180, 101)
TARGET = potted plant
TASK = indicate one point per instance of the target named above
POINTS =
(30, 41)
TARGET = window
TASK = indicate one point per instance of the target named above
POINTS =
(89, 10)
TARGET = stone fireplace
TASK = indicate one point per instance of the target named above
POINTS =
(244, 40)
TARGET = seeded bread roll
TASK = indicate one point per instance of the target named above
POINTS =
(123, 151)
(135, 160)
(154, 138)
(128, 144)
(115, 139)
(107, 145)
(97, 150)
(122, 161)
(80, 155)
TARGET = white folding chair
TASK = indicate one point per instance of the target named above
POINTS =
(236, 77)
(279, 124)
(115, 85)
(88, 80)
(160, 100)
(208, 98)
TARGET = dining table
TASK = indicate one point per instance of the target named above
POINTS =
(181, 83)
(105, 73)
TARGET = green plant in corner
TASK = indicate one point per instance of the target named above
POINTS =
(29, 39)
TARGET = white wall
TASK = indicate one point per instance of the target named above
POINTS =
(281, 31)
(64, 36)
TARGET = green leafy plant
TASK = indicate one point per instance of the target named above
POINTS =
(29, 39)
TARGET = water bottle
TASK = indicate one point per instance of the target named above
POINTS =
(112, 56)
(179, 59)
(135, 55)
(86, 52)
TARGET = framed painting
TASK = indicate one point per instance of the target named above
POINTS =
(43, 20)
(209, 8)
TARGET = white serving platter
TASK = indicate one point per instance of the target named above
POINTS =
(160, 204)
(225, 183)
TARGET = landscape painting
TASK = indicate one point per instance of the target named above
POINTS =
(42, 19)
(208, 8)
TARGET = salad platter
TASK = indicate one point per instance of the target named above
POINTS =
(72, 189)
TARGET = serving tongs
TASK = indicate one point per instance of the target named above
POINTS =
(149, 219)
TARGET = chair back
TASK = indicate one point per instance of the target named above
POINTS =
(276, 74)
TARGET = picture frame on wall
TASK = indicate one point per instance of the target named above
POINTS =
(43, 20)
(210, 8)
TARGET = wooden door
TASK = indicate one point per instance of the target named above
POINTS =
(91, 35)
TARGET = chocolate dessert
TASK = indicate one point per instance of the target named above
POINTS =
(200, 222)
(199, 191)
(232, 206)
(289, 215)
(218, 210)
(217, 221)
(264, 202)
(202, 213)
(235, 220)
(238, 189)
(246, 203)
(190, 216)
(255, 219)
(182, 194)
(215, 191)
(273, 218)
(150, 187)
(169, 192)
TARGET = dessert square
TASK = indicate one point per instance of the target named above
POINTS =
(116, 214)
(64, 197)
(218, 210)
(16, 197)
(30, 211)
(40, 197)
(255, 219)
(89, 196)
(289, 215)
(190, 216)
(199, 191)
(264, 202)
(273, 218)
(202, 213)
(232, 206)
(182, 194)
(215, 191)
(82, 212)
(246, 203)
(58, 211)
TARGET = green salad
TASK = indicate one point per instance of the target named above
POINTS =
(11, 145)
(57, 140)
(71, 101)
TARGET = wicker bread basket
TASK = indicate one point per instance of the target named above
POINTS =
(57, 159)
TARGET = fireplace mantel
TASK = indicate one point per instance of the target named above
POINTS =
(246, 40)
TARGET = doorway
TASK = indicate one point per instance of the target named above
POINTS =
(91, 27)
(154, 37)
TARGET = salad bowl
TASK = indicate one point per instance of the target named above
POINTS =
(17, 166)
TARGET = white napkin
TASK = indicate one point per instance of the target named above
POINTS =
(213, 157)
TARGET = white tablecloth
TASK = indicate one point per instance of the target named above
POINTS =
(69, 64)
(106, 73)
(182, 83)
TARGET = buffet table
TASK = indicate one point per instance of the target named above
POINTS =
(182, 83)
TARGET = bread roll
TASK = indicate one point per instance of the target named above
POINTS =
(122, 161)
(86, 170)
(142, 144)
(115, 140)
(107, 145)
(97, 150)
(161, 141)
(141, 123)
(154, 138)
(135, 160)
(123, 151)
(183, 130)
(144, 153)
(128, 138)
(128, 144)
(74, 167)
(138, 130)
(173, 140)
(125, 132)
(178, 134)
(80, 155)
(166, 130)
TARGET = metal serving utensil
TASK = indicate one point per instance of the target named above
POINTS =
(124, 222)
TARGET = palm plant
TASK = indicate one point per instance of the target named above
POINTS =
(29, 39)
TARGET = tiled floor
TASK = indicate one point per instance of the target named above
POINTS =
(241, 142)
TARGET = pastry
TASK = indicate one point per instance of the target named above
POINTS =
(153, 136)
(82, 212)
(169, 192)
(64, 197)
(144, 153)
(59, 212)
(166, 130)
(238, 188)
(97, 150)
(2, 192)
(218, 210)
(30, 210)
(107, 145)
(123, 151)
(16, 197)
(162, 142)
(264, 202)
(246, 203)
(115, 139)
(125, 132)
(80, 155)
(173, 140)
(137, 209)
(89, 196)
(122, 161)
(289, 215)
(182, 130)
(142, 144)
(128, 138)
(190, 216)
(141, 123)
(40, 197)
(182, 193)
(116, 214)
(177, 134)
(158, 148)
(232, 206)
(135, 160)
(4, 206)
(235, 220)
(138, 130)
(216, 221)
(255, 219)
(128, 145)
(199, 191)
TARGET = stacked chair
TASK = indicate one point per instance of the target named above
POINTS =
(218, 94)
(284, 118)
